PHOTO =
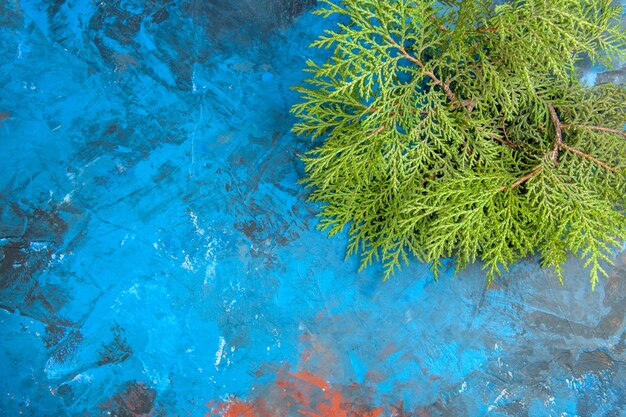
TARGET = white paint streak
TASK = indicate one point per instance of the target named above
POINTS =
(220, 351)
(194, 221)
(463, 387)
(503, 394)
(187, 264)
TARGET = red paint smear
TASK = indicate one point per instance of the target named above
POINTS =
(4, 116)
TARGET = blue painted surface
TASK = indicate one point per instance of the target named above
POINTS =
(158, 256)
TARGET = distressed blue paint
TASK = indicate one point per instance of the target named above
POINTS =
(153, 231)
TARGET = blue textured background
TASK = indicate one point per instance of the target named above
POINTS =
(158, 258)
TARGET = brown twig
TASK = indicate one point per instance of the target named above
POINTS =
(380, 129)
(406, 54)
(469, 104)
(586, 156)
(441, 26)
(498, 138)
(506, 137)
(523, 179)
(557, 179)
(597, 128)
(559, 144)
(558, 139)
(486, 30)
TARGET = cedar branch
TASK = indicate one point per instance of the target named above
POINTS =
(477, 30)
(393, 113)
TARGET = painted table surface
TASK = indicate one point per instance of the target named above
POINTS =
(157, 256)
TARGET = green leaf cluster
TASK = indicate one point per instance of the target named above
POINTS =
(459, 129)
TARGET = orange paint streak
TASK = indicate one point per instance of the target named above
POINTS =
(263, 410)
(294, 393)
(329, 404)
(239, 409)
(311, 379)
(307, 413)
(388, 350)
(376, 412)
(234, 408)
(306, 355)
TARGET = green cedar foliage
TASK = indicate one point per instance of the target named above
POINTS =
(458, 129)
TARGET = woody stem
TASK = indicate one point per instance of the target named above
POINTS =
(446, 87)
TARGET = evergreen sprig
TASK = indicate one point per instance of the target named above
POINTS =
(459, 129)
